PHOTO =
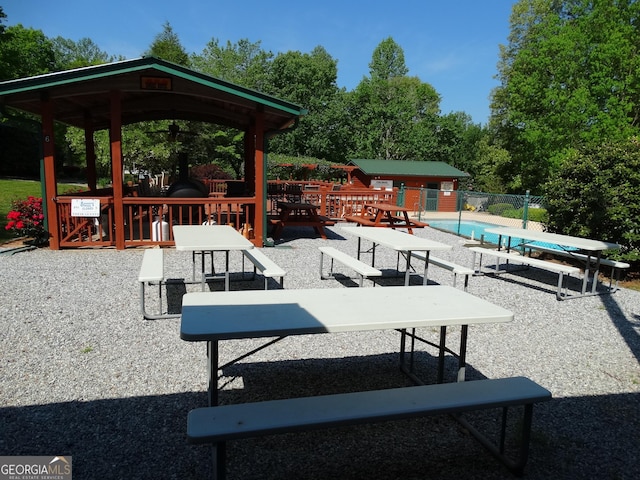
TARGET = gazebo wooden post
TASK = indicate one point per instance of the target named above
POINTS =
(50, 186)
(261, 180)
(90, 152)
(115, 138)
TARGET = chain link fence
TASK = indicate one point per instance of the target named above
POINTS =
(519, 211)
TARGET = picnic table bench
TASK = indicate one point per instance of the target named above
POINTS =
(218, 424)
(447, 265)
(361, 268)
(267, 267)
(616, 266)
(510, 257)
(152, 273)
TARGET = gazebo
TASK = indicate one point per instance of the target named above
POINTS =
(111, 95)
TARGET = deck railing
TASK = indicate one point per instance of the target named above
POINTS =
(334, 201)
(149, 221)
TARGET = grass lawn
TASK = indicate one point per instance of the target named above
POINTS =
(11, 190)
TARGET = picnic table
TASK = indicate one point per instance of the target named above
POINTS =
(591, 261)
(206, 239)
(402, 242)
(301, 215)
(215, 316)
(385, 215)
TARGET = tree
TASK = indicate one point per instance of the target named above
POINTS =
(310, 80)
(83, 53)
(25, 52)
(596, 194)
(387, 61)
(167, 46)
(393, 116)
(243, 63)
(3, 16)
(568, 80)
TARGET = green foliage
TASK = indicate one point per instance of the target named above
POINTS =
(538, 215)
(597, 195)
(395, 119)
(499, 208)
(25, 52)
(83, 53)
(167, 46)
(387, 61)
(533, 214)
(390, 115)
(242, 63)
(568, 80)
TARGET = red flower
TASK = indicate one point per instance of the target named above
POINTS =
(26, 218)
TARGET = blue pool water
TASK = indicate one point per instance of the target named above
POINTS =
(469, 229)
(475, 230)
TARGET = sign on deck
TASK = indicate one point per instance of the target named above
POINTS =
(85, 207)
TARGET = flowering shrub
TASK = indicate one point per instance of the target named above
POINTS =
(27, 220)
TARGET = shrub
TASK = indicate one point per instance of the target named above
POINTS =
(26, 219)
(209, 172)
(538, 215)
(499, 208)
(596, 194)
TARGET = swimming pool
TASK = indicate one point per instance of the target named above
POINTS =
(474, 230)
(466, 228)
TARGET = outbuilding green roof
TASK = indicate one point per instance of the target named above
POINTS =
(408, 168)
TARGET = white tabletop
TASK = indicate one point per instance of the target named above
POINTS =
(209, 237)
(210, 316)
(396, 239)
(554, 238)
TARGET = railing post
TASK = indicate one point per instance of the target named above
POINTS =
(400, 201)
(324, 192)
(525, 210)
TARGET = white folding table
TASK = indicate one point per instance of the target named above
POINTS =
(209, 239)
(399, 241)
(594, 248)
(212, 317)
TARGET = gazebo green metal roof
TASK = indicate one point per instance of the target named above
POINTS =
(151, 89)
(408, 168)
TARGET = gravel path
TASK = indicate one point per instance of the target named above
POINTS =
(82, 374)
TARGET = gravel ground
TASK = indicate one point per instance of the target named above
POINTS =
(82, 374)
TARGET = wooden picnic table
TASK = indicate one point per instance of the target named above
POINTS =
(385, 215)
(301, 215)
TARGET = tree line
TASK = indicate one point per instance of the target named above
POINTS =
(564, 118)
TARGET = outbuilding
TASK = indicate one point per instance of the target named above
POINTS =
(427, 184)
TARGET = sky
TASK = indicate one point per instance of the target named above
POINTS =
(452, 45)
